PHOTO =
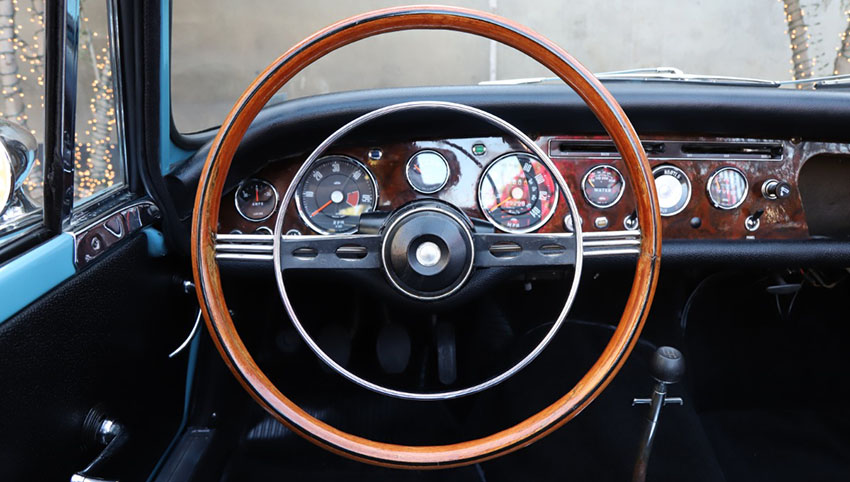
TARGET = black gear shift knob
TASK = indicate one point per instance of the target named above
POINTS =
(667, 365)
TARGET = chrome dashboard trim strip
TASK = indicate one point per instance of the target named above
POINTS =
(259, 247)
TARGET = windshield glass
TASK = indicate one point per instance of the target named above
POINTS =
(220, 46)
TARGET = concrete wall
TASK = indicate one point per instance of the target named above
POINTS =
(219, 46)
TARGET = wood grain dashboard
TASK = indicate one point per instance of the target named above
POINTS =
(699, 158)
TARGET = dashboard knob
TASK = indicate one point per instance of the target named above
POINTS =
(775, 189)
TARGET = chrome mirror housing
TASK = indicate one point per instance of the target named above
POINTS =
(18, 149)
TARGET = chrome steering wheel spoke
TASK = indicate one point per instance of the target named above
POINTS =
(354, 251)
(524, 250)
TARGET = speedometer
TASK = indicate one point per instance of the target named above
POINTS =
(517, 193)
(334, 193)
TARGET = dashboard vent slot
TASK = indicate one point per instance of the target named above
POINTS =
(597, 148)
(586, 147)
(733, 150)
(673, 149)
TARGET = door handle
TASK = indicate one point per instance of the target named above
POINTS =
(114, 437)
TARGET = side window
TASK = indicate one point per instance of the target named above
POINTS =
(98, 158)
(22, 63)
(99, 167)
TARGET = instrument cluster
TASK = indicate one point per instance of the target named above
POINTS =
(703, 192)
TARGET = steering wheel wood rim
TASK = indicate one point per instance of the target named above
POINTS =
(211, 186)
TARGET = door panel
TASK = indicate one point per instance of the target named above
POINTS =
(101, 338)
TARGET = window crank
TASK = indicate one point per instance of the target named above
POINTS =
(188, 288)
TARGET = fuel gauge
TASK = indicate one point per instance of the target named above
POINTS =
(427, 171)
(727, 188)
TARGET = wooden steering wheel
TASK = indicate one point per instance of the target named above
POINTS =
(208, 199)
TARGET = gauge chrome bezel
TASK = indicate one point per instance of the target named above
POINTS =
(543, 220)
(619, 196)
(687, 182)
(445, 180)
(317, 162)
(740, 201)
(236, 199)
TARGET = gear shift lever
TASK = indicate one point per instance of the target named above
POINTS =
(667, 367)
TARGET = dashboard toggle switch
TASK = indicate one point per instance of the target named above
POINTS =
(774, 189)
(630, 222)
(752, 223)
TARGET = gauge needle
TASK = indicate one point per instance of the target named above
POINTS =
(500, 203)
(257, 193)
(317, 211)
(416, 168)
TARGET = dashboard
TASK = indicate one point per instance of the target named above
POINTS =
(709, 188)
(754, 142)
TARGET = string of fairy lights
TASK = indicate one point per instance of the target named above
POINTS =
(802, 65)
(22, 78)
(842, 55)
(93, 157)
(805, 64)
(23, 70)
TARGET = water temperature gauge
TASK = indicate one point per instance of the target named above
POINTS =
(602, 186)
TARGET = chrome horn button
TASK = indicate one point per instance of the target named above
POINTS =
(428, 254)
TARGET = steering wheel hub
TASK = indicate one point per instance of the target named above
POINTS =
(427, 250)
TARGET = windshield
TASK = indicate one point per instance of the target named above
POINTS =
(220, 46)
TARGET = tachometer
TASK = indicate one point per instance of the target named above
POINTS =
(517, 193)
(602, 186)
(334, 193)
(727, 188)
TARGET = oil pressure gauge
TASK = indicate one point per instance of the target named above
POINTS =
(256, 200)
(674, 189)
